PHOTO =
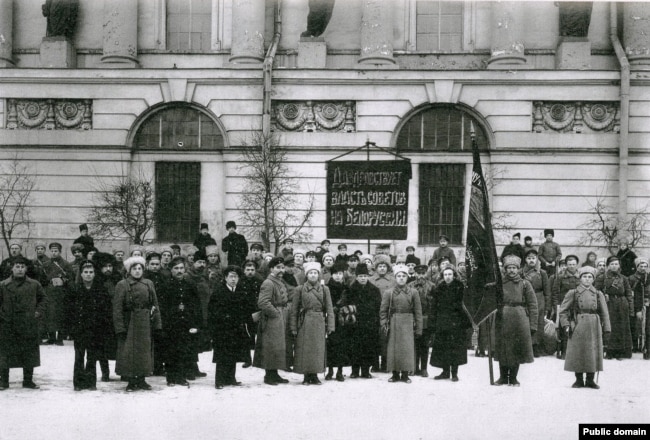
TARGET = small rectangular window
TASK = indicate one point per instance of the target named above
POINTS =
(189, 25)
(442, 195)
(439, 25)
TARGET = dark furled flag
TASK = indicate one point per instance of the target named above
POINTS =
(484, 284)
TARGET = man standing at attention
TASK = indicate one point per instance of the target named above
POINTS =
(234, 245)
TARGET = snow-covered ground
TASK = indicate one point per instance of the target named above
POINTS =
(544, 407)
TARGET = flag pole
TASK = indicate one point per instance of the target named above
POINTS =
(490, 320)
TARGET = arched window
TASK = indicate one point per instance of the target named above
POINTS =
(446, 129)
(440, 128)
(180, 127)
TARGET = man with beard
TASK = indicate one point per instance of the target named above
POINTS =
(250, 286)
(568, 280)
(198, 277)
(180, 311)
(108, 278)
(60, 277)
(159, 279)
(204, 239)
(539, 280)
(19, 344)
(234, 245)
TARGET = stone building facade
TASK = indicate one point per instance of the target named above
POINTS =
(174, 89)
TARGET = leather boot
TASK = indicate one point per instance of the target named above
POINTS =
(443, 375)
(579, 383)
(355, 372)
(589, 383)
(454, 373)
(365, 373)
(513, 376)
(503, 376)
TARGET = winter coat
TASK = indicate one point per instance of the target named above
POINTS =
(180, 311)
(364, 336)
(7, 264)
(561, 285)
(514, 249)
(584, 310)
(55, 269)
(627, 257)
(549, 252)
(203, 241)
(401, 309)
(515, 320)
(640, 285)
(89, 315)
(338, 342)
(425, 289)
(87, 241)
(237, 248)
(109, 283)
(443, 252)
(204, 289)
(449, 322)
(135, 315)
(22, 304)
(251, 290)
(311, 318)
(230, 323)
(40, 264)
(539, 281)
(270, 346)
(620, 305)
(383, 282)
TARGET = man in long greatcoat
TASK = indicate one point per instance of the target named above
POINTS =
(539, 280)
(22, 303)
(270, 347)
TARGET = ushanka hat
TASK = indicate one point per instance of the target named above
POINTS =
(549, 231)
(312, 266)
(77, 247)
(362, 269)
(400, 268)
(587, 269)
(129, 262)
(640, 260)
(212, 250)
(382, 259)
(511, 260)
(39, 243)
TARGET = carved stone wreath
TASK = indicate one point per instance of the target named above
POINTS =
(308, 116)
(576, 117)
(49, 114)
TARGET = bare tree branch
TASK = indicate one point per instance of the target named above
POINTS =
(123, 208)
(16, 185)
(269, 204)
(605, 228)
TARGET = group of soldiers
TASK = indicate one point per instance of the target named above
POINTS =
(156, 309)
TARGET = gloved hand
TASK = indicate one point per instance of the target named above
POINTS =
(606, 336)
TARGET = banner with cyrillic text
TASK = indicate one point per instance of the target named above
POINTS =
(368, 199)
